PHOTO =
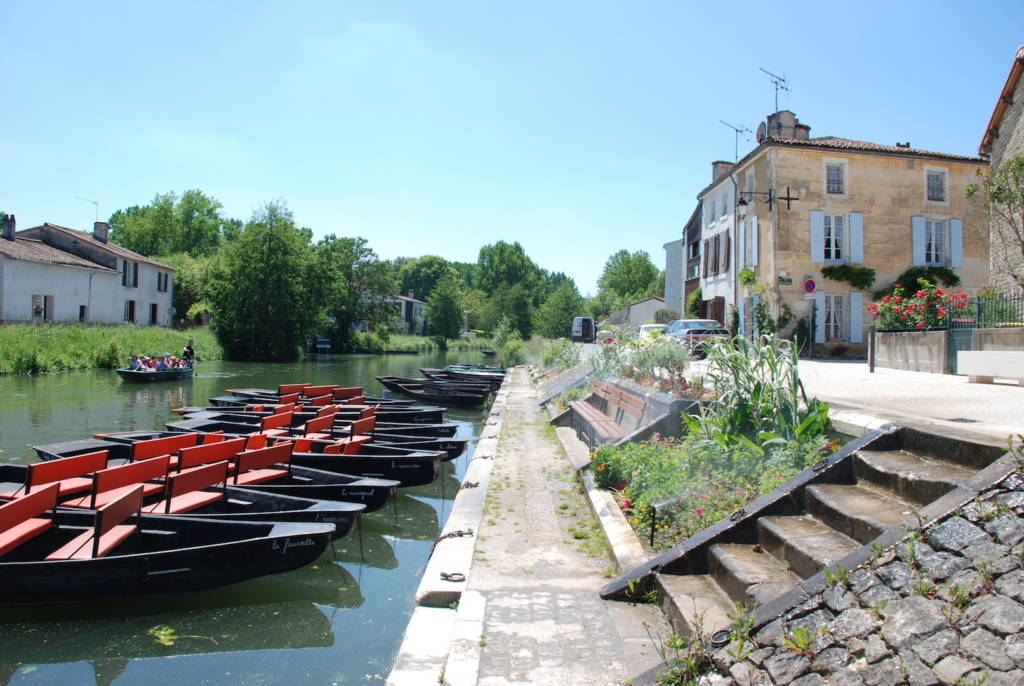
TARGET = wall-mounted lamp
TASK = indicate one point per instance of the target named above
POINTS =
(746, 197)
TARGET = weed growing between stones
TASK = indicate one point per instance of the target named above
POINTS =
(686, 658)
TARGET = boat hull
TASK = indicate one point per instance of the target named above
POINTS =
(135, 376)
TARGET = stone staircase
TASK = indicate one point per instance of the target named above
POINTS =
(873, 491)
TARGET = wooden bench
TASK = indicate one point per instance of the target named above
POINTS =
(285, 389)
(184, 489)
(168, 445)
(346, 392)
(597, 425)
(984, 366)
(318, 428)
(275, 424)
(20, 521)
(111, 483)
(71, 474)
(258, 466)
(108, 531)
(314, 391)
(210, 452)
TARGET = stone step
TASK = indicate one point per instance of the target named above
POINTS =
(911, 476)
(748, 573)
(805, 543)
(860, 511)
(694, 602)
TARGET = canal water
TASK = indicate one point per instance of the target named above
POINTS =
(338, 621)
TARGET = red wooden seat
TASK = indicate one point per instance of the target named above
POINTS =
(346, 446)
(314, 391)
(168, 445)
(354, 400)
(108, 532)
(344, 393)
(272, 425)
(368, 411)
(327, 411)
(111, 483)
(257, 466)
(72, 474)
(210, 452)
(255, 441)
(321, 400)
(20, 520)
(301, 445)
(362, 427)
(212, 437)
(315, 429)
(184, 489)
(289, 398)
(285, 389)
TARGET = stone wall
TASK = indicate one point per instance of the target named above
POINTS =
(1006, 256)
(916, 351)
(945, 606)
(999, 339)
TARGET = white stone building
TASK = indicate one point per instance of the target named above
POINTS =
(56, 274)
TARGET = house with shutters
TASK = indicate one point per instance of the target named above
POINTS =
(51, 273)
(795, 205)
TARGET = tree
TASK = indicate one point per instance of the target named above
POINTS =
(444, 309)
(420, 274)
(474, 303)
(554, 317)
(358, 287)
(605, 302)
(191, 224)
(629, 275)
(516, 304)
(266, 289)
(505, 265)
(190, 294)
(1003, 193)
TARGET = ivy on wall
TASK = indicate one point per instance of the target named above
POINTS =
(861, 278)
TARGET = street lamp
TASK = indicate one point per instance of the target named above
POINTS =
(746, 197)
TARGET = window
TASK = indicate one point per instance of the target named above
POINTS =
(834, 178)
(834, 238)
(152, 314)
(935, 243)
(83, 314)
(716, 244)
(162, 281)
(711, 217)
(695, 249)
(129, 311)
(937, 185)
(135, 274)
(124, 272)
(833, 317)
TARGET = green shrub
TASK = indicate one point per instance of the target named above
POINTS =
(110, 356)
(861, 278)
(513, 352)
(560, 354)
(945, 275)
(366, 342)
(693, 301)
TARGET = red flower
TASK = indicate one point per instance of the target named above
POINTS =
(699, 512)
(898, 299)
(885, 299)
(904, 315)
(920, 325)
(942, 313)
(920, 294)
(938, 291)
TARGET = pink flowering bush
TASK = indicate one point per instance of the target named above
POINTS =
(927, 307)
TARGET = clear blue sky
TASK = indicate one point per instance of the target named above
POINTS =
(577, 128)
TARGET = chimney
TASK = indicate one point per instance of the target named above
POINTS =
(784, 124)
(8, 225)
(100, 231)
(720, 169)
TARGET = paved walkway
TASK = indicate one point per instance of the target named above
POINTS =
(937, 402)
(539, 564)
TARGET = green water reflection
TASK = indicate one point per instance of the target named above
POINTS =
(339, 621)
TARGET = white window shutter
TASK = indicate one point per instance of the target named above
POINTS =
(742, 307)
(753, 241)
(856, 317)
(742, 261)
(753, 324)
(819, 317)
(856, 237)
(817, 236)
(956, 242)
(917, 239)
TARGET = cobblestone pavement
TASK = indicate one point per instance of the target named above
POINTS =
(539, 563)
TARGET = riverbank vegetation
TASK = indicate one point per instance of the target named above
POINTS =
(40, 348)
(751, 428)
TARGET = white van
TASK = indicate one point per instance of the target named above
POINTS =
(583, 330)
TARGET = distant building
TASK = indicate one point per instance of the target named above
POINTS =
(1004, 140)
(56, 274)
(834, 201)
(674, 270)
(413, 314)
(682, 265)
(635, 314)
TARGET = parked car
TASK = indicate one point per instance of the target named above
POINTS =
(651, 330)
(680, 327)
(696, 333)
(583, 330)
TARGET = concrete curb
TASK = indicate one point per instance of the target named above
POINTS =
(438, 639)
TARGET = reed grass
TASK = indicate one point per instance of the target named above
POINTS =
(44, 348)
(426, 344)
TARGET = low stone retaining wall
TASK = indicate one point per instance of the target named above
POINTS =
(1003, 338)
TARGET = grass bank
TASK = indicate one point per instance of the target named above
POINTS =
(426, 344)
(41, 348)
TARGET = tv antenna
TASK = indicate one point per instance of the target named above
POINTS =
(95, 203)
(780, 84)
(736, 138)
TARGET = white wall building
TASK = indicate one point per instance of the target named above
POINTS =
(716, 281)
(56, 274)
(674, 277)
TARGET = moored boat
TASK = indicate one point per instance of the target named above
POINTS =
(151, 376)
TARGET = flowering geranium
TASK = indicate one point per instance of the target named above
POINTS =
(927, 307)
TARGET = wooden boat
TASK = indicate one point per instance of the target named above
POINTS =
(494, 379)
(148, 376)
(439, 394)
(340, 426)
(147, 555)
(395, 383)
(418, 414)
(297, 480)
(474, 368)
(407, 351)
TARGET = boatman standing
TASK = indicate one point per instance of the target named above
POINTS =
(188, 353)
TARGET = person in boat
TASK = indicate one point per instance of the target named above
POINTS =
(134, 363)
(188, 354)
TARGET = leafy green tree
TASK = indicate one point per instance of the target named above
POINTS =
(465, 271)
(554, 316)
(444, 309)
(358, 288)
(190, 224)
(551, 281)
(629, 275)
(1002, 191)
(605, 302)
(420, 274)
(514, 302)
(474, 303)
(504, 265)
(190, 293)
(266, 289)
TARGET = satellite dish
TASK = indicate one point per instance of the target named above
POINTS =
(762, 132)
